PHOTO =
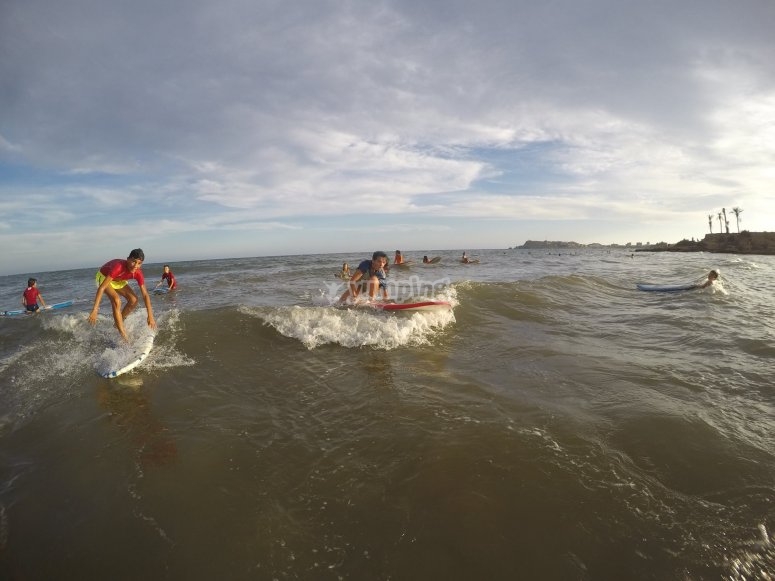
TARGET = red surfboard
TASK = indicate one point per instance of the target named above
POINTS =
(412, 307)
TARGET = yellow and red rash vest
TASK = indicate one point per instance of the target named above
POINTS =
(117, 270)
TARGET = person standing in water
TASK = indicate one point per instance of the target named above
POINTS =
(169, 277)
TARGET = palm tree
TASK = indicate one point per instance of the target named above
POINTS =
(736, 212)
(726, 222)
(710, 222)
(719, 222)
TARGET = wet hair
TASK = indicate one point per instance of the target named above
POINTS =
(714, 273)
(378, 254)
(31, 281)
(137, 254)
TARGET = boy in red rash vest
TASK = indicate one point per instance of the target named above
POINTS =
(169, 277)
(112, 280)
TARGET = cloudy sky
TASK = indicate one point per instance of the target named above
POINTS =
(204, 129)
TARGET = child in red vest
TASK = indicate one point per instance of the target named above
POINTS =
(31, 295)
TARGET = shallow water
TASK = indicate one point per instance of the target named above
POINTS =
(559, 424)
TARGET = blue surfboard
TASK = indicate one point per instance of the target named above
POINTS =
(666, 288)
(46, 308)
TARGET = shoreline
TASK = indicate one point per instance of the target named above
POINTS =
(744, 242)
(739, 243)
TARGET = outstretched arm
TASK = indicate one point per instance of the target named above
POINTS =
(97, 298)
(148, 307)
(352, 288)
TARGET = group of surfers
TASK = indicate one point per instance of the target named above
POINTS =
(371, 275)
(112, 280)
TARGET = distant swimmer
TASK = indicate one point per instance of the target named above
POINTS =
(426, 260)
(369, 276)
(345, 273)
(466, 260)
(399, 258)
(713, 276)
(31, 296)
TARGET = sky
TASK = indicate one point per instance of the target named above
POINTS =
(198, 129)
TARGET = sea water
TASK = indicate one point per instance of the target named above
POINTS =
(558, 424)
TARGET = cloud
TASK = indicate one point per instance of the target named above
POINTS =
(284, 111)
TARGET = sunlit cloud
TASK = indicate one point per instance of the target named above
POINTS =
(192, 125)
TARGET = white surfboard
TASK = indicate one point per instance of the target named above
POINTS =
(666, 288)
(125, 358)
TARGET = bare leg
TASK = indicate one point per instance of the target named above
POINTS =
(373, 287)
(115, 304)
(131, 300)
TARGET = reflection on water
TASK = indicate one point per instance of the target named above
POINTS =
(130, 410)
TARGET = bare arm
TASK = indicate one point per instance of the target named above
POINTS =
(352, 288)
(97, 298)
(148, 307)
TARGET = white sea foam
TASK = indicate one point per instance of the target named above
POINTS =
(316, 326)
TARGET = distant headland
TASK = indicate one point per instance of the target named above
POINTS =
(744, 242)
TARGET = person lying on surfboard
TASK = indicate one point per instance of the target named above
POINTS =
(370, 275)
(712, 277)
(169, 277)
(112, 279)
(31, 295)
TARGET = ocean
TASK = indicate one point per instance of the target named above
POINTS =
(557, 424)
